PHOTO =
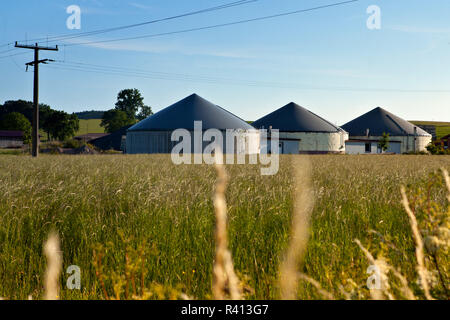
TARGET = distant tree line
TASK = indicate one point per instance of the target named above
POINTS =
(59, 125)
(129, 109)
(87, 115)
(18, 115)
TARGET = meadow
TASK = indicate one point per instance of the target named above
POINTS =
(90, 126)
(442, 128)
(120, 207)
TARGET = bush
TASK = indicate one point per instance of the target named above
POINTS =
(73, 144)
(17, 121)
(437, 149)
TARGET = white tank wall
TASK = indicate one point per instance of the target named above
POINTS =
(359, 147)
(320, 142)
(407, 142)
(423, 142)
(151, 142)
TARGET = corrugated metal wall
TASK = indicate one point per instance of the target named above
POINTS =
(6, 142)
(154, 142)
(317, 142)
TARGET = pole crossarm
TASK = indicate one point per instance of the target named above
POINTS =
(44, 61)
(35, 46)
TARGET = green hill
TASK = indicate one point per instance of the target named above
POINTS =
(86, 126)
(90, 126)
(442, 128)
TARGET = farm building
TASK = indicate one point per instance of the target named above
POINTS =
(90, 136)
(11, 139)
(367, 130)
(431, 129)
(153, 135)
(302, 131)
(114, 141)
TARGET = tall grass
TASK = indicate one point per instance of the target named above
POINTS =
(107, 199)
(303, 206)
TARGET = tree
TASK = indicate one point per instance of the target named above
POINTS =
(57, 124)
(129, 108)
(145, 112)
(17, 121)
(131, 102)
(383, 144)
(115, 119)
(20, 106)
(45, 111)
(26, 108)
(62, 125)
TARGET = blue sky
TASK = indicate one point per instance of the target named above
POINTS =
(327, 60)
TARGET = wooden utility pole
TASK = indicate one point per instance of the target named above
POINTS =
(35, 64)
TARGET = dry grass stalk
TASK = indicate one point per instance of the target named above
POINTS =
(447, 182)
(421, 269)
(375, 293)
(384, 268)
(226, 283)
(344, 293)
(317, 285)
(405, 289)
(54, 262)
(303, 205)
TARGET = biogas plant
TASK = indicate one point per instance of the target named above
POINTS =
(291, 129)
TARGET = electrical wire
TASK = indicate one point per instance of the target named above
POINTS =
(217, 25)
(13, 55)
(101, 31)
(155, 75)
(6, 51)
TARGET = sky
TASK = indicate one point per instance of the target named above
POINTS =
(326, 60)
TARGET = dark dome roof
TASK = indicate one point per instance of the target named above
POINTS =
(380, 121)
(182, 115)
(294, 118)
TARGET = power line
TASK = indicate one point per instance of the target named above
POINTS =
(124, 69)
(155, 75)
(101, 31)
(6, 51)
(17, 65)
(6, 44)
(236, 3)
(13, 55)
(218, 25)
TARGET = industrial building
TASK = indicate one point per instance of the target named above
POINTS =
(114, 141)
(367, 130)
(11, 139)
(154, 134)
(303, 132)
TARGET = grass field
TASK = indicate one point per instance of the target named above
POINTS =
(90, 126)
(124, 201)
(86, 126)
(442, 128)
(442, 131)
(15, 152)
